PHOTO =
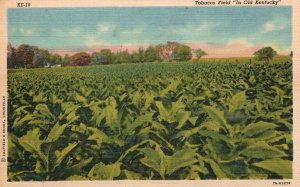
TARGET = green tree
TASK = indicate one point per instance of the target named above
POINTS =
(66, 60)
(141, 55)
(183, 53)
(55, 59)
(107, 56)
(199, 53)
(122, 57)
(24, 55)
(135, 57)
(151, 54)
(265, 54)
(40, 56)
(96, 58)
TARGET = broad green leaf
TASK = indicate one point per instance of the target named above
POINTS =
(81, 128)
(21, 121)
(263, 151)
(97, 135)
(252, 79)
(86, 91)
(181, 158)
(152, 159)
(39, 167)
(61, 155)
(105, 172)
(75, 169)
(184, 134)
(254, 129)
(138, 122)
(182, 117)
(163, 112)
(40, 98)
(55, 133)
(216, 169)
(136, 99)
(72, 117)
(278, 166)
(42, 110)
(216, 115)
(68, 107)
(133, 175)
(81, 99)
(211, 126)
(178, 105)
(193, 120)
(280, 94)
(237, 101)
(213, 135)
(111, 114)
(148, 96)
(21, 110)
(159, 127)
(32, 143)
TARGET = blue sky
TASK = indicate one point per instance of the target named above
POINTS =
(206, 27)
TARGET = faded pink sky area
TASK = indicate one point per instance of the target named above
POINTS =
(237, 48)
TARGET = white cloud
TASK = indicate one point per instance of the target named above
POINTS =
(271, 26)
(104, 27)
(25, 32)
(90, 42)
(206, 27)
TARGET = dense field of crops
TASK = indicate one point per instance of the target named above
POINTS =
(151, 121)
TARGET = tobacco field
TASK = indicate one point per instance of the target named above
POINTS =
(154, 121)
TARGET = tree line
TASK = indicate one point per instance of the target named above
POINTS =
(28, 56)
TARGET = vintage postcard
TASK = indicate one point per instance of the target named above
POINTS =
(152, 93)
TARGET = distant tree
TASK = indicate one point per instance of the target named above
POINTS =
(135, 57)
(55, 59)
(107, 56)
(80, 59)
(183, 53)
(199, 53)
(11, 56)
(138, 56)
(141, 55)
(66, 60)
(96, 59)
(24, 55)
(40, 57)
(167, 51)
(151, 54)
(265, 54)
(122, 57)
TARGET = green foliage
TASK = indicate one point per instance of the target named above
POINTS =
(151, 121)
(265, 54)
(183, 53)
(199, 53)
